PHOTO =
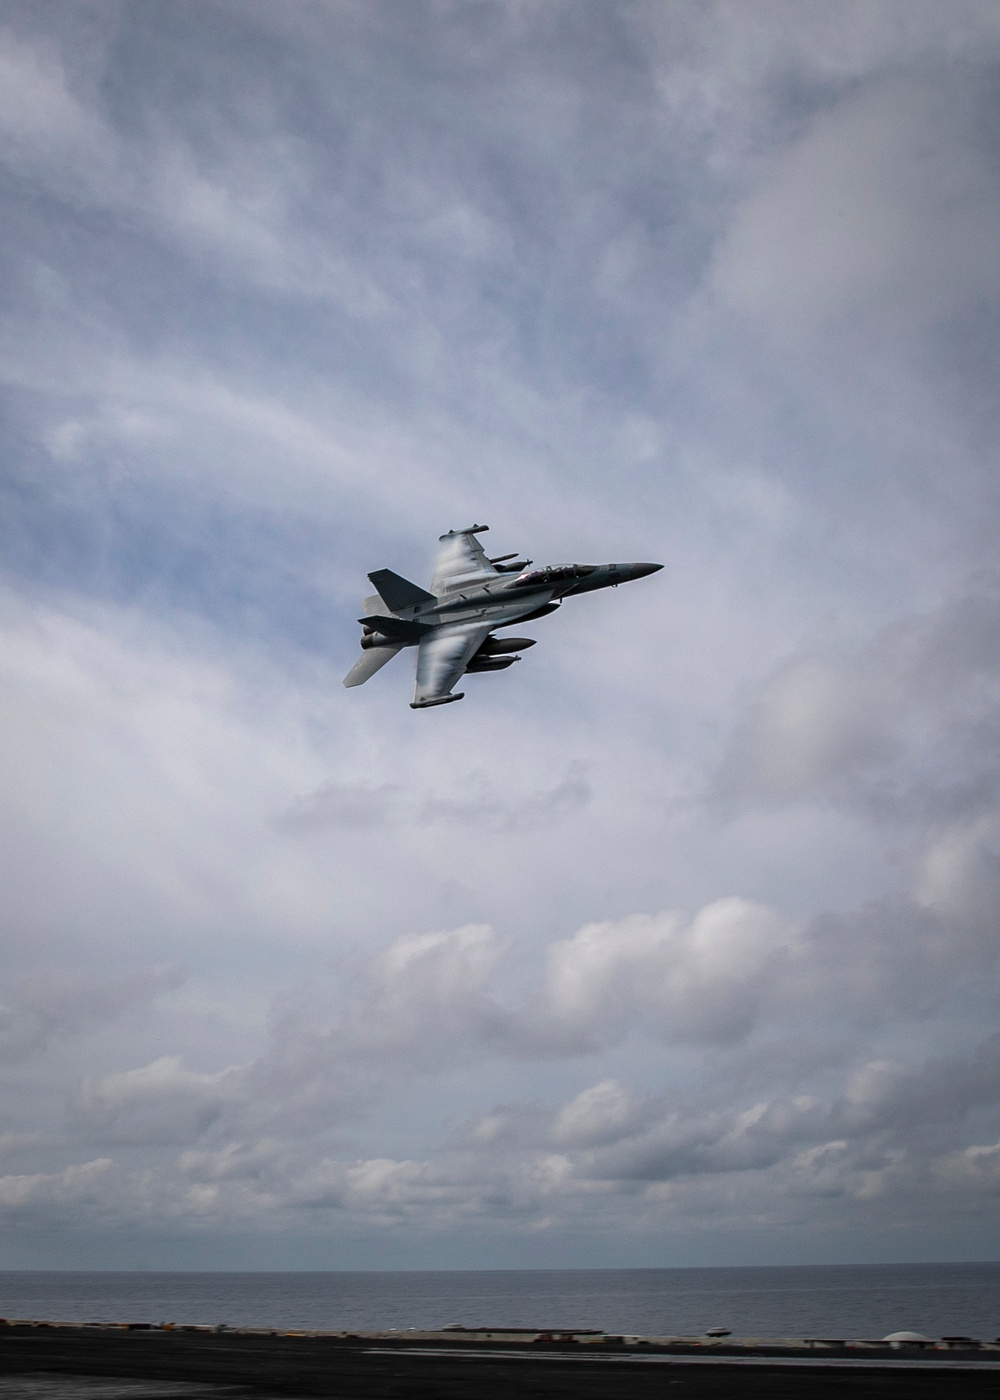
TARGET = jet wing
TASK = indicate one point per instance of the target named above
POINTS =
(460, 559)
(442, 657)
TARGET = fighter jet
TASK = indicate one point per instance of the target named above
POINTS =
(471, 596)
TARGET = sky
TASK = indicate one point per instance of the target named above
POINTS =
(676, 943)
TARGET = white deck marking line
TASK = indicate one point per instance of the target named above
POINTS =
(673, 1359)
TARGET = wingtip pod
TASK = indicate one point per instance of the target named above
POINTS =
(469, 530)
(441, 700)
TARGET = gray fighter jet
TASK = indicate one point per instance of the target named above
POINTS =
(452, 626)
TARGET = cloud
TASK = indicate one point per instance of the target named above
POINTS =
(957, 873)
(844, 1130)
(343, 804)
(944, 1089)
(597, 1113)
(883, 209)
(482, 806)
(42, 1009)
(415, 1008)
(160, 1103)
(41, 1194)
(737, 980)
(42, 120)
(434, 1000)
(620, 1160)
(705, 980)
(976, 1168)
(899, 725)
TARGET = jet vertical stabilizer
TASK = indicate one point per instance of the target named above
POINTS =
(399, 593)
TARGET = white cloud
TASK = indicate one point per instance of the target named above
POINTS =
(958, 873)
(161, 1102)
(885, 207)
(38, 113)
(596, 1113)
(898, 723)
(617, 1160)
(977, 1167)
(75, 1187)
(482, 805)
(38, 1010)
(704, 980)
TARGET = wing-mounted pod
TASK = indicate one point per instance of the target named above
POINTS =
(496, 653)
(503, 646)
(501, 563)
(491, 663)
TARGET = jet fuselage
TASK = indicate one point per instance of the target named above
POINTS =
(500, 601)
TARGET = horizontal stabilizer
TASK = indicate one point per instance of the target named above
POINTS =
(368, 663)
(398, 593)
(396, 627)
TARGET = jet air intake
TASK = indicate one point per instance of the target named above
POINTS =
(543, 611)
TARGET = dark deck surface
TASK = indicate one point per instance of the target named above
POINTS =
(386, 1369)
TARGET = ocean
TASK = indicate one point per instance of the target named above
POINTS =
(847, 1301)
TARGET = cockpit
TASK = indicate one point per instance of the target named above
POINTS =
(554, 574)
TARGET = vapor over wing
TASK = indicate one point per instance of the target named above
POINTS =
(460, 559)
(441, 659)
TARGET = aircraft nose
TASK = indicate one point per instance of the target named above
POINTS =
(631, 571)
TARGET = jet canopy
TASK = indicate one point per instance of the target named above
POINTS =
(555, 573)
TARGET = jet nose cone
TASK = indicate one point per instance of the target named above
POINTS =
(641, 570)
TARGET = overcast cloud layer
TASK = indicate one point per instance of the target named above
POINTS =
(676, 943)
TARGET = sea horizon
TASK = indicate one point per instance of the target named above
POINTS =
(772, 1300)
